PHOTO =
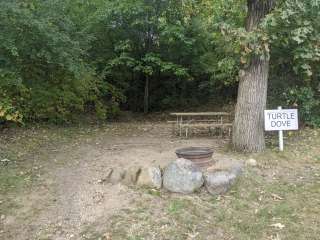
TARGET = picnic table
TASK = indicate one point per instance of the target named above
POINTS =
(185, 121)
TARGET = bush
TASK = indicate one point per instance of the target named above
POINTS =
(8, 113)
(43, 72)
(308, 103)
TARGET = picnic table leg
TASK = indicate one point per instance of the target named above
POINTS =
(180, 127)
(173, 128)
(177, 126)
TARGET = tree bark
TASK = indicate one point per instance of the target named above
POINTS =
(248, 128)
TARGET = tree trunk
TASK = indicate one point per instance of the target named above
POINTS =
(146, 96)
(248, 129)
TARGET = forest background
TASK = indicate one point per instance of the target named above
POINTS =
(63, 58)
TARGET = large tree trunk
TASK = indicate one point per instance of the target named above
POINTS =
(248, 130)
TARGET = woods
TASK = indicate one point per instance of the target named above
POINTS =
(61, 59)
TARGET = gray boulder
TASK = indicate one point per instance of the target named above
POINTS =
(150, 177)
(237, 169)
(227, 164)
(117, 175)
(182, 176)
(251, 162)
(131, 175)
(219, 182)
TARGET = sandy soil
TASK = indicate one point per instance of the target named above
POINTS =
(70, 196)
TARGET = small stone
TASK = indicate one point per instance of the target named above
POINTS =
(100, 181)
(219, 182)
(251, 162)
(117, 175)
(182, 176)
(3, 217)
(150, 177)
(132, 175)
(109, 172)
(107, 176)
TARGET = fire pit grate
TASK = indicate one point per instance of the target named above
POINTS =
(201, 156)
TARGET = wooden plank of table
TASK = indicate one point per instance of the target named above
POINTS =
(201, 114)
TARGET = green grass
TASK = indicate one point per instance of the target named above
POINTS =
(284, 189)
(176, 206)
(247, 213)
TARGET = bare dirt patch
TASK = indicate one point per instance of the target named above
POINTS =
(68, 196)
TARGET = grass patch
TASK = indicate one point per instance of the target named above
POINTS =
(154, 192)
(277, 200)
(176, 206)
(25, 153)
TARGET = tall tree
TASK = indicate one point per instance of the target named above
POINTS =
(248, 132)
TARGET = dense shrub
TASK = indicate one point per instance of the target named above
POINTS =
(43, 75)
(308, 103)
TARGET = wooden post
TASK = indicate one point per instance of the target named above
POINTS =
(280, 136)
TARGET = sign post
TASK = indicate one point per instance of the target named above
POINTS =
(280, 136)
(280, 120)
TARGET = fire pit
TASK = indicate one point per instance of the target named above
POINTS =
(200, 156)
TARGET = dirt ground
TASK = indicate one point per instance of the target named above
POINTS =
(68, 195)
(51, 187)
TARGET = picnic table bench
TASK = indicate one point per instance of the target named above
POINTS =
(186, 121)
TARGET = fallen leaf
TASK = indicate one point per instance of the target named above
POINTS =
(277, 237)
(277, 225)
(107, 236)
(5, 160)
(276, 197)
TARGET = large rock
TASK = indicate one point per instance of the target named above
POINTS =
(131, 175)
(182, 176)
(237, 169)
(117, 175)
(106, 177)
(227, 164)
(251, 162)
(150, 177)
(219, 182)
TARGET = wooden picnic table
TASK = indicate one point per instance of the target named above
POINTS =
(181, 114)
(185, 120)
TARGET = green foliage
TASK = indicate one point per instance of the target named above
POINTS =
(141, 39)
(308, 103)
(61, 58)
(9, 83)
(8, 113)
(42, 70)
(294, 30)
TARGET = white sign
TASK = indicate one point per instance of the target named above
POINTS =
(281, 119)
